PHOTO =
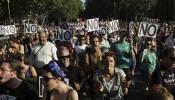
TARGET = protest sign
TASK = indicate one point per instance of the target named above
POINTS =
(64, 35)
(113, 26)
(8, 30)
(148, 29)
(41, 86)
(92, 24)
(30, 28)
(2, 30)
(102, 31)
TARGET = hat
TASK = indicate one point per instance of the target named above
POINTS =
(54, 68)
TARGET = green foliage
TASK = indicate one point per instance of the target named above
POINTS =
(21, 9)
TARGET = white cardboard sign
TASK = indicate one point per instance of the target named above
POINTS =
(148, 29)
(113, 26)
(7, 30)
(92, 24)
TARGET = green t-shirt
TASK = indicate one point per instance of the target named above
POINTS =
(149, 61)
(123, 54)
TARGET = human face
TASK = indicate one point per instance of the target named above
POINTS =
(65, 58)
(50, 81)
(42, 38)
(149, 45)
(169, 61)
(5, 73)
(82, 40)
(109, 64)
(95, 42)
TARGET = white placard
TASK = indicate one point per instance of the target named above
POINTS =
(9, 30)
(148, 29)
(30, 28)
(92, 24)
(2, 30)
(113, 26)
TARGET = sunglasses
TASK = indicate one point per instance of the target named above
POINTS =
(64, 57)
(47, 78)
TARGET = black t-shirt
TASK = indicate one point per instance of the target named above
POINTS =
(24, 92)
(166, 77)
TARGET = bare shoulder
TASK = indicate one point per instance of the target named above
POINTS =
(73, 95)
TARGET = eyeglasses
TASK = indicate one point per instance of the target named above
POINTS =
(64, 57)
(47, 78)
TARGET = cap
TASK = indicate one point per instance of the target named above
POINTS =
(54, 68)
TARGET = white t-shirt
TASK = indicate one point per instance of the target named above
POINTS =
(46, 54)
(80, 49)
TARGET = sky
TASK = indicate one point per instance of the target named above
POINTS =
(83, 1)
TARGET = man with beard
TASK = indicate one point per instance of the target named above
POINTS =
(11, 87)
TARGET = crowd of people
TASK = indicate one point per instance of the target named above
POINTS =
(88, 67)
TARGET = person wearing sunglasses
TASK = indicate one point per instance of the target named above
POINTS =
(147, 63)
(75, 75)
(57, 89)
(165, 72)
(13, 88)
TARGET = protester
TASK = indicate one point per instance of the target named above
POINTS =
(43, 52)
(56, 87)
(92, 55)
(13, 88)
(80, 49)
(104, 44)
(165, 73)
(124, 53)
(75, 76)
(148, 61)
(25, 71)
(109, 82)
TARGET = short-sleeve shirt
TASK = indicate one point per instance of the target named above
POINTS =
(46, 54)
(166, 77)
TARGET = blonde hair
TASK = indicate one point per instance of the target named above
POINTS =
(158, 92)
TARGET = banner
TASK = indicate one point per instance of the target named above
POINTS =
(148, 30)
(92, 24)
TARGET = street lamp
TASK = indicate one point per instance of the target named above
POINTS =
(9, 10)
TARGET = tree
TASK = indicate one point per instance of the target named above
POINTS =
(21, 9)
